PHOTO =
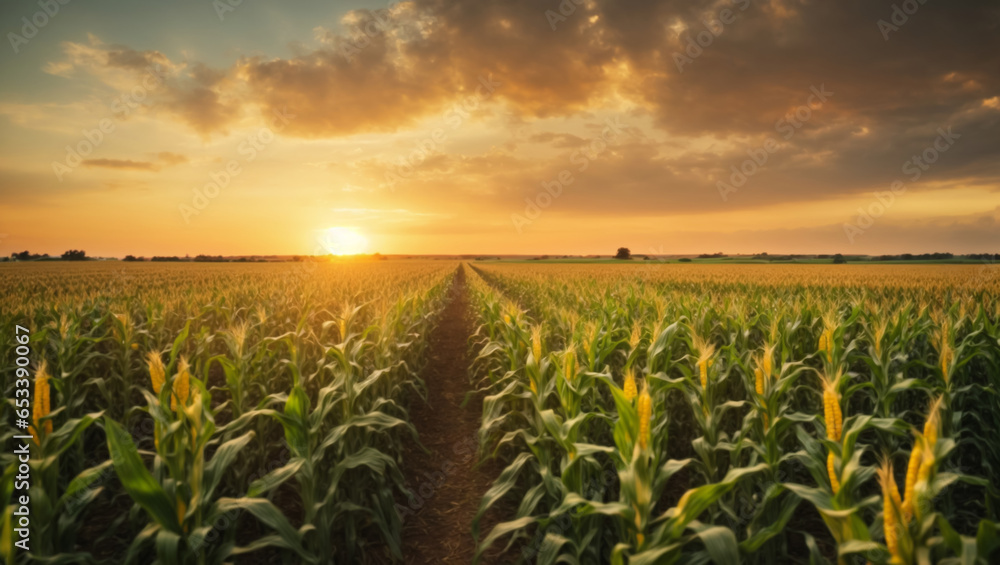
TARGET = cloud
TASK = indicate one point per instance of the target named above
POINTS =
(386, 70)
(163, 159)
(206, 100)
(122, 164)
(169, 158)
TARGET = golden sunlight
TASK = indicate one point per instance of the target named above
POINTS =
(344, 241)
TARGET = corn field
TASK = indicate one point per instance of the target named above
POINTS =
(191, 414)
(758, 414)
(640, 414)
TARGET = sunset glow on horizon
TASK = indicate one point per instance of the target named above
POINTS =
(344, 241)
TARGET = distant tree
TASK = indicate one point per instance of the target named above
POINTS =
(684, 260)
(838, 259)
(130, 258)
(74, 255)
(623, 253)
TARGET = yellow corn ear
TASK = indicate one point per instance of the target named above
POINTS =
(890, 517)
(927, 465)
(182, 386)
(181, 510)
(157, 373)
(832, 415)
(759, 381)
(42, 405)
(193, 413)
(570, 363)
(912, 469)
(826, 343)
(536, 343)
(767, 362)
(645, 417)
(834, 482)
(946, 356)
(931, 425)
(123, 320)
(629, 386)
(703, 372)
(838, 417)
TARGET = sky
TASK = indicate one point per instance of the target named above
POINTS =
(522, 126)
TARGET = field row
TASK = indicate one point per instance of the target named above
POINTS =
(757, 414)
(211, 413)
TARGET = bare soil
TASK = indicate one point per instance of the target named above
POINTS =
(446, 481)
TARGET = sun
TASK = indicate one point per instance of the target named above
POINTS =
(343, 241)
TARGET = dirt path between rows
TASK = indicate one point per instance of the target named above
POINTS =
(446, 482)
